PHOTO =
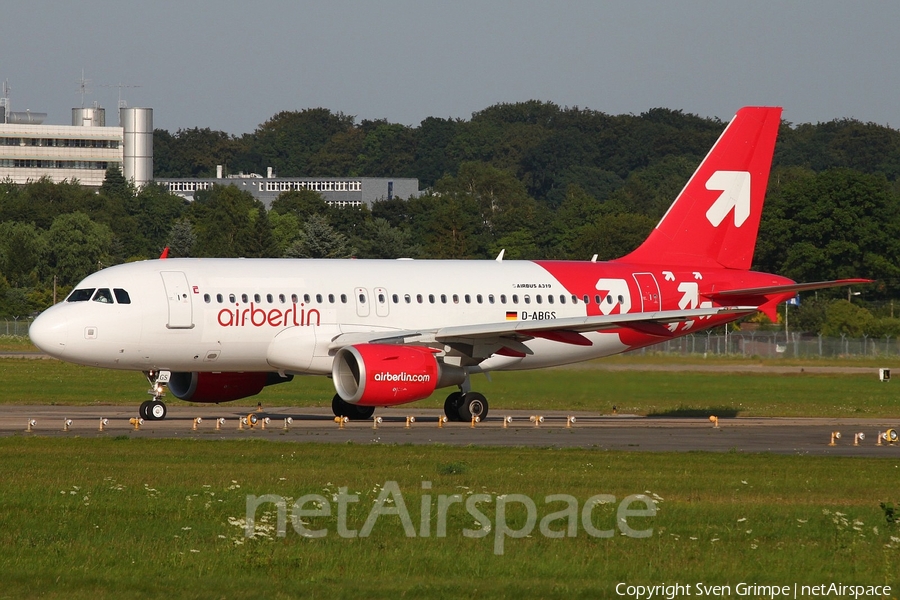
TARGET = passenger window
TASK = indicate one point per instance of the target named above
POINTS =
(587, 299)
(539, 299)
(515, 298)
(562, 299)
(362, 298)
(231, 298)
(621, 300)
(468, 299)
(609, 299)
(395, 298)
(597, 299)
(455, 299)
(343, 298)
(103, 295)
(443, 298)
(256, 298)
(419, 298)
(281, 298)
(81, 295)
(550, 298)
(269, 298)
(574, 299)
(306, 298)
(244, 298)
(122, 296)
(381, 299)
(527, 299)
(431, 298)
(479, 299)
(206, 298)
(502, 298)
(491, 298)
(219, 298)
(319, 298)
(331, 298)
(408, 298)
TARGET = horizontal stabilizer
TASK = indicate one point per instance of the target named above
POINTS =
(780, 289)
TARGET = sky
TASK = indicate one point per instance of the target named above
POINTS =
(231, 65)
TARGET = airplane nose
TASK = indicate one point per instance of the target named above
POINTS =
(50, 332)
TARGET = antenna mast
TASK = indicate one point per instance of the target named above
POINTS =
(83, 87)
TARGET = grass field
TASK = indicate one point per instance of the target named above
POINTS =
(131, 518)
(27, 381)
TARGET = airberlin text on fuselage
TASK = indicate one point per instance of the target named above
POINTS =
(274, 317)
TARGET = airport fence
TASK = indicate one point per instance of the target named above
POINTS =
(750, 344)
(778, 345)
(16, 327)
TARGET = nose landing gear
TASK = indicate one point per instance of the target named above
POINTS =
(155, 409)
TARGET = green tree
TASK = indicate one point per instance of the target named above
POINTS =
(380, 240)
(836, 224)
(318, 239)
(301, 203)
(76, 247)
(289, 140)
(224, 222)
(23, 249)
(181, 239)
(842, 317)
(115, 186)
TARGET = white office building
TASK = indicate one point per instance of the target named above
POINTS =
(30, 150)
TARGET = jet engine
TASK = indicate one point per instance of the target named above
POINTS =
(220, 387)
(384, 374)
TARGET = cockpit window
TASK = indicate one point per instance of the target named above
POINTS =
(82, 295)
(122, 296)
(103, 295)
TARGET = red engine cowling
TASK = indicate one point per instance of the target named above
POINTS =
(383, 375)
(220, 387)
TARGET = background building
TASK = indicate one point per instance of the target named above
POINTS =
(336, 191)
(81, 151)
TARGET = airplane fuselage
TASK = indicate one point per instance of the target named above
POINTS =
(225, 314)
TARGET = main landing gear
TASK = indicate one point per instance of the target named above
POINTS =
(340, 408)
(155, 410)
(461, 406)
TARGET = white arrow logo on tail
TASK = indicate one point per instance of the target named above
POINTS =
(735, 188)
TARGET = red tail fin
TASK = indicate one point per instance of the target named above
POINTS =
(714, 220)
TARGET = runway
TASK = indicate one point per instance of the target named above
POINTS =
(590, 430)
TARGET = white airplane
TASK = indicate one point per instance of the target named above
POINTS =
(392, 331)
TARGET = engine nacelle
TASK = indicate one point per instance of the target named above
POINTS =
(220, 387)
(384, 374)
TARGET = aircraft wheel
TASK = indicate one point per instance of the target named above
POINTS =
(144, 410)
(156, 410)
(473, 405)
(363, 412)
(451, 406)
(341, 408)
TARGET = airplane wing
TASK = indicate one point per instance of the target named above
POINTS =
(488, 338)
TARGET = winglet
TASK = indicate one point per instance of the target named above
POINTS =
(165, 253)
